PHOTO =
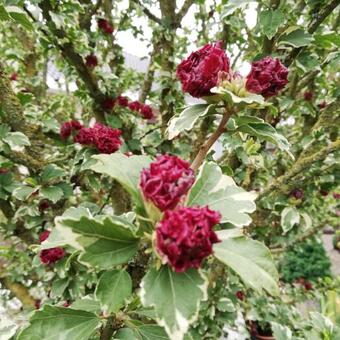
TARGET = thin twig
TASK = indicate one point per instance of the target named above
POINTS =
(313, 26)
(147, 12)
(183, 11)
(152, 130)
(211, 141)
(301, 238)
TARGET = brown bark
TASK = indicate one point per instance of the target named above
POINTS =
(19, 291)
(68, 51)
(210, 142)
(14, 117)
(319, 18)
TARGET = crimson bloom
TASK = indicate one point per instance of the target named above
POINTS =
(108, 103)
(135, 106)
(48, 256)
(308, 96)
(105, 26)
(240, 295)
(199, 72)
(146, 111)
(37, 303)
(85, 136)
(297, 193)
(68, 127)
(184, 237)
(107, 139)
(104, 138)
(267, 77)
(123, 101)
(166, 180)
(323, 193)
(91, 60)
(322, 105)
(308, 285)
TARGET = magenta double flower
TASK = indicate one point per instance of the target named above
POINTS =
(184, 236)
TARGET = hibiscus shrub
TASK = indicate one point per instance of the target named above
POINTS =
(164, 204)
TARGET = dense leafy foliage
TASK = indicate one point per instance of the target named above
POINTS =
(308, 261)
(167, 198)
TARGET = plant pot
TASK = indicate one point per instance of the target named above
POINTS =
(253, 329)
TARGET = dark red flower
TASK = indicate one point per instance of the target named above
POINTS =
(67, 128)
(323, 193)
(44, 236)
(48, 256)
(104, 138)
(199, 72)
(240, 295)
(184, 237)
(135, 106)
(308, 95)
(85, 136)
(146, 111)
(91, 60)
(14, 76)
(37, 304)
(322, 105)
(108, 104)
(123, 101)
(297, 193)
(4, 170)
(76, 125)
(308, 285)
(336, 195)
(43, 205)
(66, 304)
(166, 180)
(267, 77)
(107, 139)
(105, 26)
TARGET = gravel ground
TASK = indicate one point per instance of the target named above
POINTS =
(333, 254)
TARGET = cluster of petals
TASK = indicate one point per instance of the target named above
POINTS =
(105, 26)
(52, 255)
(199, 73)
(185, 236)
(144, 110)
(68, 127)
(308, 96)
(297, 193)
(104, 138)
(267, 77)
(322, 105)
(91, 60)
(108, 104)
(166, 180)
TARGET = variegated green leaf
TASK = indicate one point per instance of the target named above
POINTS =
(187, 118)
(126, 170)
(220, 193)
(175, 297)
(250, 259)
